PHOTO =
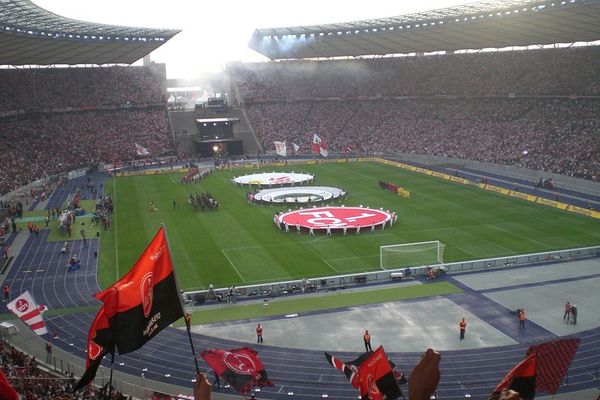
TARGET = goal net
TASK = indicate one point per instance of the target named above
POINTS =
(407, 255)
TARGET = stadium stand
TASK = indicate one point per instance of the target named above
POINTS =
(29, 90)
(486, 107)
(38, 145)
(490, 106)
(559, 72)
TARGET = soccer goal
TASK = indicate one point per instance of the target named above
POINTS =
(407, 255)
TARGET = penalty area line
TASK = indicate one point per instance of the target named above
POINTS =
(519, 236)
(233, 265)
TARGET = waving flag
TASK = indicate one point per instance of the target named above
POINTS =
(319, 146)
(553, 361)
(521, 378)
(137, 307)
(371, 373)
(100, 342)
(296, 148)
(25, 308)
(280, 149)
(349, 369)
(241, 368)
(141, 151)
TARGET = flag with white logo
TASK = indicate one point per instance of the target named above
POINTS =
(319, 146)
(137, 307)
(28, 311)
(241, 368)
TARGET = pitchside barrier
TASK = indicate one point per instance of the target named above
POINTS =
(496, 189)
(274, 289)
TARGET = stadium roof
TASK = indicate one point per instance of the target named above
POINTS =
(31, 35)
(488, 24)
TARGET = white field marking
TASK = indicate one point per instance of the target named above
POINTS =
(233, 265)
(521, 236)
(274, 280)
(332, 267)
(463, 250)
(171, 178)
(257, 247)
(116, 230)
(349, 236)
(352, 258)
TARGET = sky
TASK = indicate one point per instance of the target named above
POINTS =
(214, 32)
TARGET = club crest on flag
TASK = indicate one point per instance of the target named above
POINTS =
(374, 392)
(22, 305)
(25, 307)
(94, 350)
(281, 148)
(239, 363)
(241, 368)
(147, 293)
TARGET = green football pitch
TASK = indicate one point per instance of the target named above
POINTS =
(239, 244)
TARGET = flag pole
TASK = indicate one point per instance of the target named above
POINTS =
(186, 316)
(109, 389)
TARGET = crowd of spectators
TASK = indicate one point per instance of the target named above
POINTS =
(43, 88)
(36, 145)
(33, 382)
(521, 108)
(561, 71)
(545, 134)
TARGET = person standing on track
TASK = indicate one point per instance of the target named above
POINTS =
(522, 318)
(6, 292)
(367, 339)
(259, 333)
(462, 325)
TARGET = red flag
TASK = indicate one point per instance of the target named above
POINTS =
(146, 298)
(350, 369)
(100, 342)
(241, 368)
(371, 373)
(135, 308)
(521, 378)
(6, 390)
(553, 361)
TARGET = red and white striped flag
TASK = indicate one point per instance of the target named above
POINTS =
(25, 308)
(319, 146)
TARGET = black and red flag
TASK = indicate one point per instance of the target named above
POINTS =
(100, 342)
(520, 379)
(553, 361)
(371, 373)
(136, 307)
(241, 368)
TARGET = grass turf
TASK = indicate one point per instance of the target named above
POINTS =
(239, 243)
(303, 304)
